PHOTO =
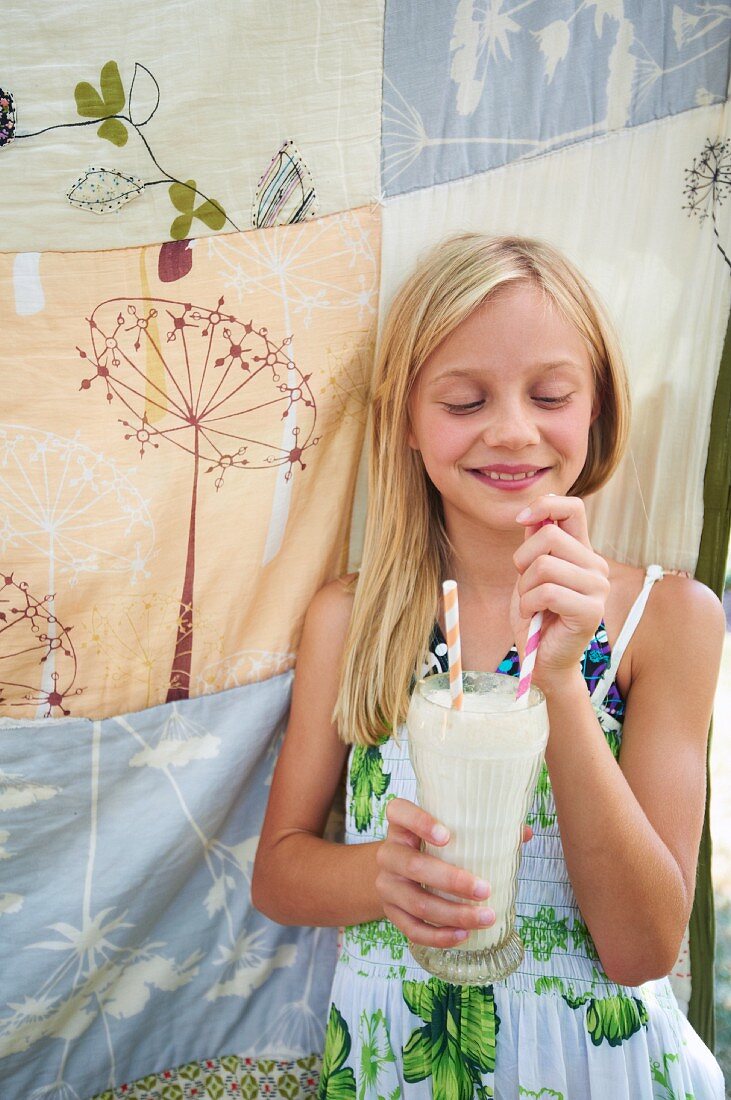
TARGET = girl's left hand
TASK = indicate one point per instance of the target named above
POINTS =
(562, 576)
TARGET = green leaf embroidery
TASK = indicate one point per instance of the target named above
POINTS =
(614, 742)
(337, 1081)
(610, 1019)
(183, 196)
(188, 1072)
(90, 104)
(548, 984)
(288, 1086)
(615, 1019)
(368, 781)
(544, 1094)
(215, 1088)
(376, 1051)
(661, 1076)
(581, 940)
(375, 935)
(544, 932)
(576, 1001)
(456, 1045)
(543, 800)
(249, 1086)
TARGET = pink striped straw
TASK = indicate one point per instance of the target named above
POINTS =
(531, 649)
(529, 660)
(451, 620)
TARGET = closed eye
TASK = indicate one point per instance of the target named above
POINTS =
(552, 400)
(463, 408)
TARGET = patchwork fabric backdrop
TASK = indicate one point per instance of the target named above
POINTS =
(206, 209)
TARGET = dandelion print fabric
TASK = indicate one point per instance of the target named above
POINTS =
(206, 211)
(236, 391)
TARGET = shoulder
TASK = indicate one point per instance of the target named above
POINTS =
(679, 602)
(683, 626)
(329, 613)
(675, 600)
(333, 603)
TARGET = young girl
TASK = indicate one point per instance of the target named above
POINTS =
(499, 402)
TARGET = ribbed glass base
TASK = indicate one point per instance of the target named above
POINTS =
(463, 967)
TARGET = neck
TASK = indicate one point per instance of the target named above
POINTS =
(482, 557)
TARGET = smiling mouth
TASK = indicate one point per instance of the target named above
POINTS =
(504, 479)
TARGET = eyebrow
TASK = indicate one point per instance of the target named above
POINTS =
(476, 372)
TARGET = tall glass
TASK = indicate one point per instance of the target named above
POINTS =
(476, 772)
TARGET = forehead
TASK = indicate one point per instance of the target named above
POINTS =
(518, 328)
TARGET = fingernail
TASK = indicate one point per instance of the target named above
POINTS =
(486, 916)
(481, 888)
(439, 834)
(522, 516)
(460, 934)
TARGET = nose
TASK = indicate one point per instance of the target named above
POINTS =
(511, 425)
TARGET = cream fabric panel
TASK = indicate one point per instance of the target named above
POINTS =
(219, 89)
(616, 207)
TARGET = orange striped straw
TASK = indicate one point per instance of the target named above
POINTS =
(451, 619)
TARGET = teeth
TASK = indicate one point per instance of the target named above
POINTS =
(509, 477)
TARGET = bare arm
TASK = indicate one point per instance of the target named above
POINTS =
(631, 833)
(301, 878)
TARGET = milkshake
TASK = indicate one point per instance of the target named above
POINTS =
(476, 772)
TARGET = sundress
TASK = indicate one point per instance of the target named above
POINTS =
(557, 1028)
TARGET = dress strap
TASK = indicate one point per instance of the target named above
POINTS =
(599, 694)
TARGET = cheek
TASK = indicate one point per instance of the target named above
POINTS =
(443, 440)
(571, 434)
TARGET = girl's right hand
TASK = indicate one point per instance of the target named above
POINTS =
(404, 871)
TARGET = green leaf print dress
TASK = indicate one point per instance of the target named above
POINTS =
(556, 1029)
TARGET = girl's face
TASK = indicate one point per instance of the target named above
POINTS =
(502, 407)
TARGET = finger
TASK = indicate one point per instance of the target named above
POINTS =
(552, 539)
(431, 909)
(547, 569)
(407, 815)
(575, 610)
(527, 834)
(429, 870)
(568, 512)
(421, 933)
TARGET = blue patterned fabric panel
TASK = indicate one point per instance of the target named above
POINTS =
(129, 941)
(473, 84)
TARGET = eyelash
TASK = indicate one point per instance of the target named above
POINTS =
(553, 402)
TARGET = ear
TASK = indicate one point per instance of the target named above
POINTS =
(595, 410)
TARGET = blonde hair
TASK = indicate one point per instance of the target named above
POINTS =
(406, 548)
